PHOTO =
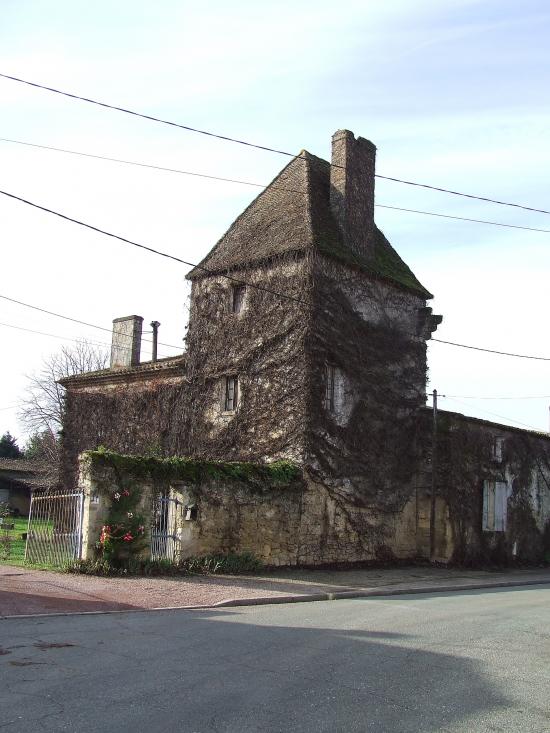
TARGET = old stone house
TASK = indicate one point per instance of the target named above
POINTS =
(307, 341)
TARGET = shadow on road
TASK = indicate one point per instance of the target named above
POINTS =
(235, 671)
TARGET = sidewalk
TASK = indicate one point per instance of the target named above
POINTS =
(24, 591)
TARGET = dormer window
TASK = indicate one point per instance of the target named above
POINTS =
(231, 394)
(237, 298)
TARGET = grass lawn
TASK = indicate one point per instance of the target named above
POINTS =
(17, 545)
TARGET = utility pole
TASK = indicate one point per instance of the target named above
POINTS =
(434, 477)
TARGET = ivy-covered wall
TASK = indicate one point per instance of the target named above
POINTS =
(264, 345)
(237, 507)
(274, 511)
(466, 458)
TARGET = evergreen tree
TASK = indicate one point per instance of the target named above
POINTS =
(9, 447)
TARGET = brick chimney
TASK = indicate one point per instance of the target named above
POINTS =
(126, 343)
(352, 190)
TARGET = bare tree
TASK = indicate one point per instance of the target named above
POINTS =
(42, 405)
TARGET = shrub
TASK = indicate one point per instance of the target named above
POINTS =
(232, 563)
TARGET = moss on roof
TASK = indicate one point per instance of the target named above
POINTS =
(386, 264)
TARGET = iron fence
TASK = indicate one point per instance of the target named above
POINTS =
(54, 534)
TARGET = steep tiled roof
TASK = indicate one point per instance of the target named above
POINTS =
(293, 214)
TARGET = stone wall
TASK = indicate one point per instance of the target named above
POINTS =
(228, 515)
(296, 522)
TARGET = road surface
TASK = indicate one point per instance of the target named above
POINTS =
(464, 661)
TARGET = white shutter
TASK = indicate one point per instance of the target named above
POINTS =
(501, 506)
(485, 505)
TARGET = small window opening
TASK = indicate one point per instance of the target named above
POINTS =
(330, 379)
(231, 394)
(237, 298)
(497, 449)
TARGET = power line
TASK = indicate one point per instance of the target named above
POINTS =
(75, 320)
(145, 116)
(137, 163)
(52, 335)
(492, 351)
(63, 338)
(234, 279)
(464, 218)
(262, 147)
(150, 249)
(494, 414)
(484, 397)
(261, 185)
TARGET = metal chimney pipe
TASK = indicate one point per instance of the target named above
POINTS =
(155, 326)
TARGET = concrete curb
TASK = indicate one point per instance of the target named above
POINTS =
(310, 598)
(375, 592)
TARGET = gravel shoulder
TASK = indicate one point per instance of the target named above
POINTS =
(26, 591)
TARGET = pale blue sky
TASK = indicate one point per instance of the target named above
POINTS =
(452, 93)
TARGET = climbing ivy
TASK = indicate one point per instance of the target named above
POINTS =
(196, 471)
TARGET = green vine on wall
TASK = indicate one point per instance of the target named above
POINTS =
(196, 471)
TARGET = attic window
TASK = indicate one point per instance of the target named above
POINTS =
(330, 382)
(237, 298)
(231, 394)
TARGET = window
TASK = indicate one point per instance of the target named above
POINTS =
(497, 449)
(330, 382)
(237, 298)
(231, 394)
(495, 505)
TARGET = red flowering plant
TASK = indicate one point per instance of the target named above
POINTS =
(123, 534)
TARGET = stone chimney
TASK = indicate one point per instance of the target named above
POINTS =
(352, 190)
(126, 343)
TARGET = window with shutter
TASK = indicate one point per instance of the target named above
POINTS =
(495, 506)
(231, 394)
(330, 380)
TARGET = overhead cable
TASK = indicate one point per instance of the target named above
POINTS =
(494, 414)
(150, 249)
(64, 338)
(76, 320)
(231, 277)
(492, 351)
(262, 185)
(226, 138)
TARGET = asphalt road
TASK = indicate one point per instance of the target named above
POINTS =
(468, 661)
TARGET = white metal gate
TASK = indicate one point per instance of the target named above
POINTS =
(164, 539)
(54, 534)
